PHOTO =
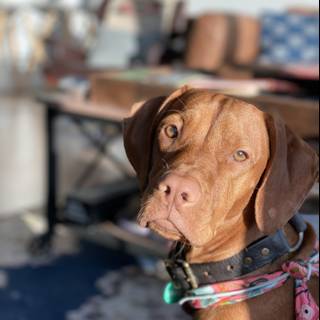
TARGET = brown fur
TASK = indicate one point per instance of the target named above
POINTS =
(240, 201)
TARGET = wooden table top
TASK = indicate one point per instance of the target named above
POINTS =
(302, 115)
(73, 104)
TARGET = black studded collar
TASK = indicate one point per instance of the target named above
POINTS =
(187, 276)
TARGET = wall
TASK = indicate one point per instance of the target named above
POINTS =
(252, 7)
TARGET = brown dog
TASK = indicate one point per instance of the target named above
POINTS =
(219, 174)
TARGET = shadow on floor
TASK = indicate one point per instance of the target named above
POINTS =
(48, 292)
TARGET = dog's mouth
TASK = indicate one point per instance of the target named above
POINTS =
(165, 229)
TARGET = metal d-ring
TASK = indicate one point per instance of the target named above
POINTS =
(298, 244)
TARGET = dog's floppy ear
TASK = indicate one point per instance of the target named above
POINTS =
(138, 133)
(290, 174)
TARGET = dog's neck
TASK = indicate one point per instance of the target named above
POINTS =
(229, 239)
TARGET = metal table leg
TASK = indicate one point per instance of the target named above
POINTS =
(51, 209)
(42, 244)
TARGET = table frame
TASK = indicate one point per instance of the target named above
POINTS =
(54, 110)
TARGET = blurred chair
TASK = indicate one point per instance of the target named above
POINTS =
(219, 39)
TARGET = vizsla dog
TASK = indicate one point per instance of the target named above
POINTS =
(221, 178)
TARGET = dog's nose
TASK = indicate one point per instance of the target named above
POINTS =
(180, 190)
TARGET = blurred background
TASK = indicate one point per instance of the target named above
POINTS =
(69, 72)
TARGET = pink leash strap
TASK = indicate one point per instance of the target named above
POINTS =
(306, 307)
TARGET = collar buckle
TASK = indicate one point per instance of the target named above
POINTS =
(188, 274)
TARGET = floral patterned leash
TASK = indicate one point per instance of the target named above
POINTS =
(232, 292)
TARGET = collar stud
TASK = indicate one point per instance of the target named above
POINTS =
(230, 268)
(265, 252)
(248, 260)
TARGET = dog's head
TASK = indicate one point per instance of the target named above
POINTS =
(201, 158)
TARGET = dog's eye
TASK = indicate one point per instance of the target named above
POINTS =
(171, 131)
(240, 156)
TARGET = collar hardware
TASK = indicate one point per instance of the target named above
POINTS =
(189, 276)
(265, 252)
(298, 244)
(248, 261)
